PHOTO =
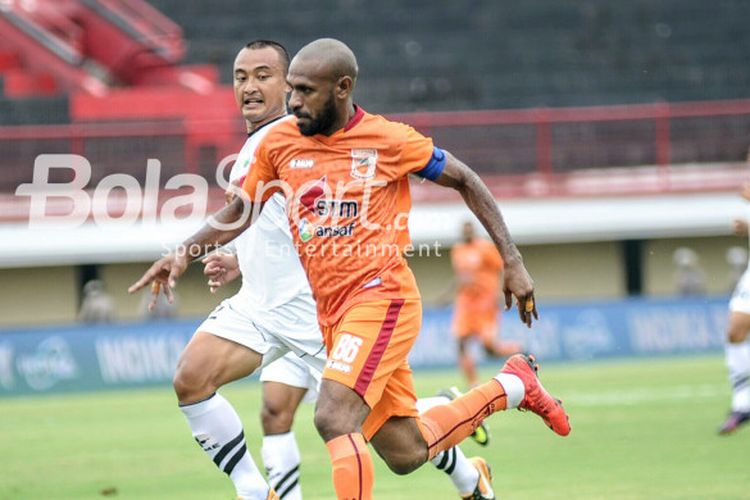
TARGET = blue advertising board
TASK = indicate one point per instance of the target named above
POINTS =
(80, 358)
(595, 330)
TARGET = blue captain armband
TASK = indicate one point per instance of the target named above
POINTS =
(435, 166)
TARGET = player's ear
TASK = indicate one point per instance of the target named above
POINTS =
(344, 87)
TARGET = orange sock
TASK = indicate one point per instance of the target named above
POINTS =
(469, 368)
(353, 474)
(445, 426)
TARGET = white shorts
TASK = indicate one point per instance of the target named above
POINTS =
(273, 334)
(291, 370)
(740, 301)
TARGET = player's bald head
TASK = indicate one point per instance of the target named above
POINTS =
(322, 76)
(325, 58)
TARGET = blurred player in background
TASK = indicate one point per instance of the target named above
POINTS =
(478, 269)
(736, 257)
(738, 346)
(274, 301)
(689, 276)
(97, 305)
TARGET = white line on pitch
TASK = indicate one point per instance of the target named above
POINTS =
(645, 395)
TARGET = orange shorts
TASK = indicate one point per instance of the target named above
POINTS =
(469, 322)
(368, 351)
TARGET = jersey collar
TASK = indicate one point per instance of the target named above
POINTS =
(250, 134)
(359, 113)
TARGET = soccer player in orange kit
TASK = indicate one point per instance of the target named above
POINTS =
(342, 172)
(477, 266)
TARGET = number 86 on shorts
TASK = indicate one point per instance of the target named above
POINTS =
(346, 348)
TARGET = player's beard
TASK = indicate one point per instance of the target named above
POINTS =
(324, 122)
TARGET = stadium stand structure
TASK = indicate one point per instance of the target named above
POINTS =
(115, 81)
(87, 45)
(498, 53)
(94, 63)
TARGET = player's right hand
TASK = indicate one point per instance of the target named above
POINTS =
(221, 268)
(162, 275)
(518, 283)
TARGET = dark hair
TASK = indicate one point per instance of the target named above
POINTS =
(261, 44)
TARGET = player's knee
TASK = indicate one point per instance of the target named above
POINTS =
(276, 420)
(739, 328)
(737, 334)
(191, 385)
(331, 423)
(326, 422)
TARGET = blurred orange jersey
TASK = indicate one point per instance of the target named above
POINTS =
(348, 202)
(477, 266)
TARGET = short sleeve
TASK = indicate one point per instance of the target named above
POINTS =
(259, 183)
(416, 152)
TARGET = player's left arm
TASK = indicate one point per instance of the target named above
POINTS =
(451, 172)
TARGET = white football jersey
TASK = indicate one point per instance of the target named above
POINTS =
(271, 271)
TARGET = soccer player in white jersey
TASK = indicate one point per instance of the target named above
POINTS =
(738, 346)
(272, 315)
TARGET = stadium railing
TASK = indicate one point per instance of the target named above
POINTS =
(663, 147)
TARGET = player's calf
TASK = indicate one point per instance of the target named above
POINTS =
(481, 434)
(403, 463)
(401, 445)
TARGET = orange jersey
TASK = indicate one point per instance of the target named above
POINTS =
(477, 265)
(348, 202)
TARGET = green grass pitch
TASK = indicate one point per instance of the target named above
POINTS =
(641, 429)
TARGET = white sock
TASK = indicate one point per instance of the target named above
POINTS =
(218, 430)
(513, 387)
(424, 404)
(281, 458)
(738, 362)
(462, 473)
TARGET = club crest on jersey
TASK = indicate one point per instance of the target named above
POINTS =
(364, 162)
